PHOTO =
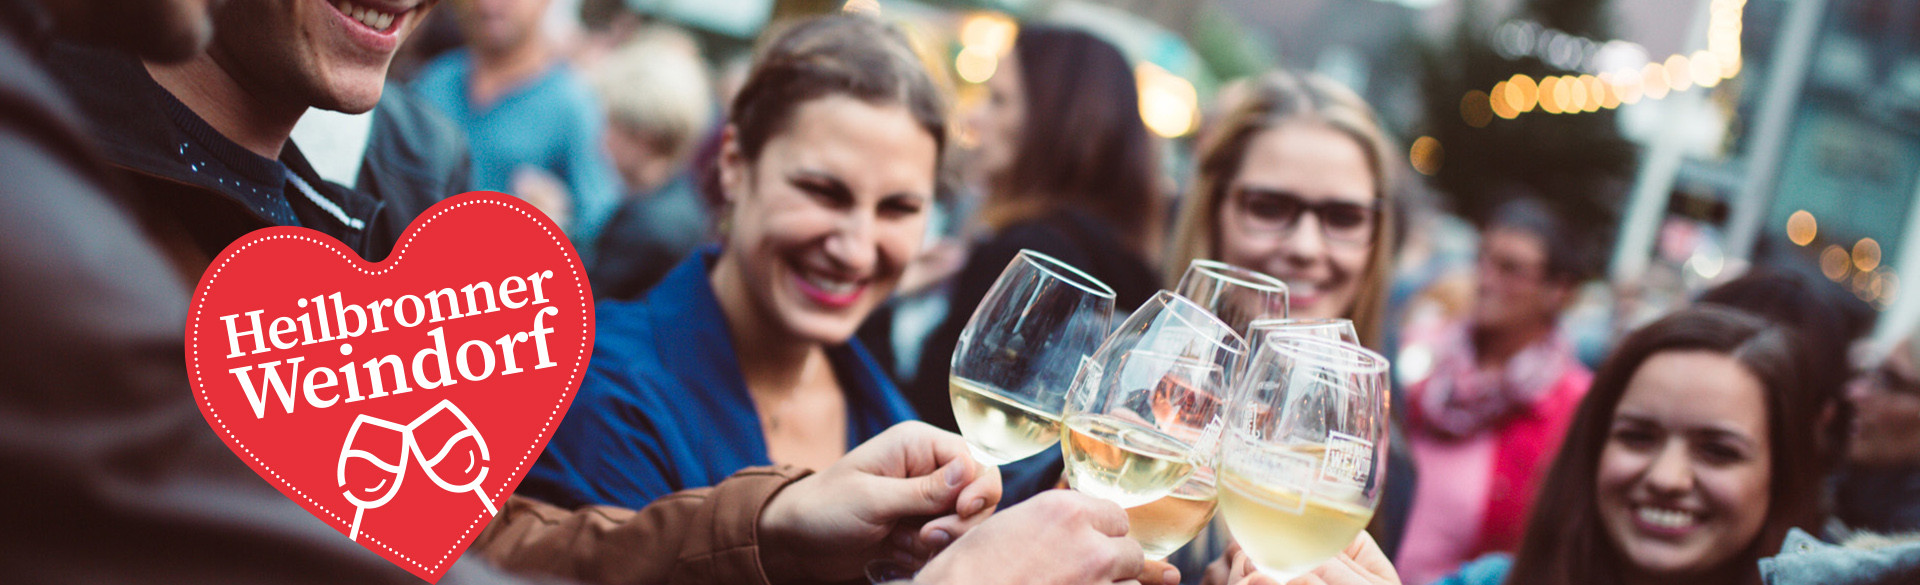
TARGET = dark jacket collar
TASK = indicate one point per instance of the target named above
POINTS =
(144, 129)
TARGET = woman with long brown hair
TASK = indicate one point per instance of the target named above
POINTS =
(1690, 458)
(1069, 170)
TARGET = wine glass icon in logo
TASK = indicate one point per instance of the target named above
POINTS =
(366, 479)
(459, 464)
(461, 456)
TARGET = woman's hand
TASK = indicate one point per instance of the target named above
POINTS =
(905, 494)
(1361, 563)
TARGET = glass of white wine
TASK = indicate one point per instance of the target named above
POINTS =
(1303, 459)
(1019, 354)
(1326, 328)
(1143, 418)
(1236, 295)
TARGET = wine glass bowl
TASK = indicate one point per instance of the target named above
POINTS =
(1238, 296)
(1021, 351)
(1143, 414)
(1303, 459)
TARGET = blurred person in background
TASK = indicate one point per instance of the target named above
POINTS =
(1878, 488)
(1823, 315)
(659, 107)
(1691, 458)
(1295, 181)
(1069, 171)
(1502, 391)
(535, 128)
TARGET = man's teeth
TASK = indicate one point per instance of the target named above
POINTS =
(374, 19)
(1666, 518)
(830, 286)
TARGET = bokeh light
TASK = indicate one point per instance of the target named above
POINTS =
(1653, 78)
(1801, 228)
(1576, 94)
(1835, 263)
(1475, 109)
(1427, 155)
(1168, 103)
(975, 64)
(1679, 73)
(1866, 254)
(1706, 68)
(1498, 101)
(1523, 93)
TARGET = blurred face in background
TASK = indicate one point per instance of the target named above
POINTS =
(495, 27)
(998, 120)
(826, 218)
(1886, 400)
(1303, 208)
(1684, 479)
(329, 54)
(1514, 289)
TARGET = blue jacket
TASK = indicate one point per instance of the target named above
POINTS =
(1490, 569)
(664, 406)
(1805, 560)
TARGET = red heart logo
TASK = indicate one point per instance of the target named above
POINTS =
(400, 401)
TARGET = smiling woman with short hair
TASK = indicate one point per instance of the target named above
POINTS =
(742, 356)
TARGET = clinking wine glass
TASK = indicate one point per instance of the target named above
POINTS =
(1303, 459)
(1325, 328)
(373, 462)
(1020, 353)
(1140, 423)
(1236, 295)
(451, 451)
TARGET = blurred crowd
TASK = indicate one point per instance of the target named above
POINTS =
(787, 246)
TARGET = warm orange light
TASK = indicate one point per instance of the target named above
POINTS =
(1654, 80)
(1576, 94)
(1627, 85)
(1866, 254)
(1523, 93)
(1426, 155)
(1475, 109)
(1596, 92)
(1609, 95)
(1835, 264)
(1498, 100)
(1550, 99)
(1801, 228)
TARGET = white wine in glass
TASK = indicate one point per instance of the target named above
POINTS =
(1145, 417)
(1303, 460)
(1164, 525)
(1020, 352)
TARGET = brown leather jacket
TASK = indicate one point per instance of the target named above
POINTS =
(706, 535)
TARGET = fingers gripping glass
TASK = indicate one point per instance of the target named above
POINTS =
(1271, 211)
(1020, 353)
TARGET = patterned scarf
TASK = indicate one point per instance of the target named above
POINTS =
(1461, 400)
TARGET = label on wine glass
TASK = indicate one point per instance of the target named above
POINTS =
(1349, 462)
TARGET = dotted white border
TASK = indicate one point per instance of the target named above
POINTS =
(406, 241)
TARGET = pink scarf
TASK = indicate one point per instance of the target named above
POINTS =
(1460, 400)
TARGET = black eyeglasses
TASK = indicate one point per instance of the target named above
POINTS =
(1271, 211)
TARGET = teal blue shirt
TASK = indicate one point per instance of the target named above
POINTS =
(1487, 570)
(553, 123)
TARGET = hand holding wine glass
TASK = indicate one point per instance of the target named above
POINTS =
(1303, 459)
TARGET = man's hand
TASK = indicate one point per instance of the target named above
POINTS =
(1361, 564)
(907, 494)
(1057, 538)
